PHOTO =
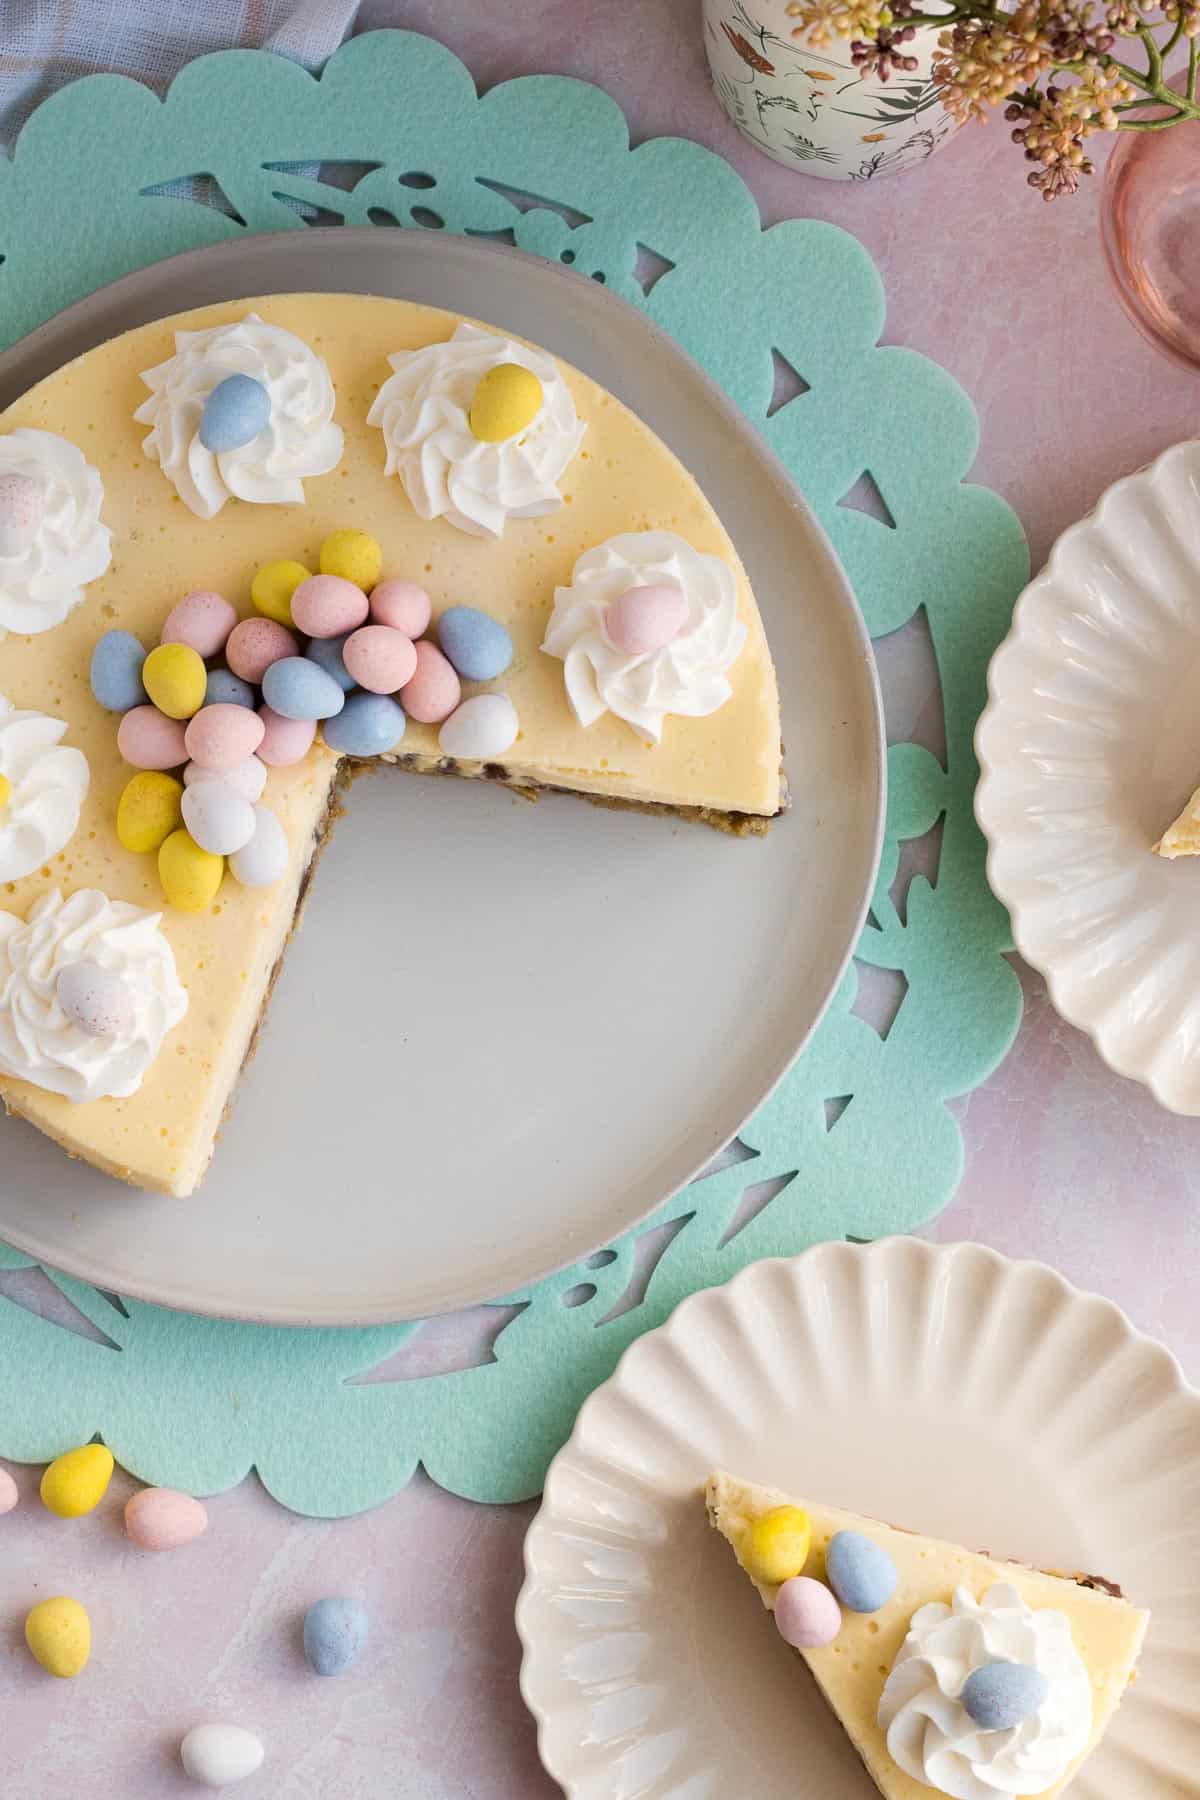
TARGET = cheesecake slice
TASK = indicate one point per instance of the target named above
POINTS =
(1182, 836)
(894, 1676)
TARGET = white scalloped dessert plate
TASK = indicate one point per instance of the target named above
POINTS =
(1088, 748)
(940, 1387)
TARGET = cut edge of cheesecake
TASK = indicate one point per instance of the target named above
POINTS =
(1182, 836)
(733, 1502)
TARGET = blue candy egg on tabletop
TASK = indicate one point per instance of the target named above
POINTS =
(234, 413)
(861, 1574)
(335, 1635)
(476, 644)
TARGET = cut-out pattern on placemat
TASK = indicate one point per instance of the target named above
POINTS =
(858, 1141)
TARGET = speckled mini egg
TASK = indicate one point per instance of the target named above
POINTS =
(202, 620)
(379, 658)
(285, 741)
(219, 818)
(147, 739)
(806, 1614)
(645, 619)
(505, 403)
(176, 680)
(272, 589)
(327, 654)
(163, 1519)
(860, 1572)
(22, 509)
(218, 1755)
(148, 811)
(478, 645)
(335, 1634)
(59, 1635)
(191, 877)
(249, 777)
(254, 644)
(353, 554)
(434, 690)
(402, 605)
(75, 1482)
(116, 672)
(227, 689)
(219, 737)
(999, 1696)
(95, 1000)
(264, 860)
(481, 729)
(234, 413)
(328, 605)
(368, 725)
(296, 689)
(9, 1495)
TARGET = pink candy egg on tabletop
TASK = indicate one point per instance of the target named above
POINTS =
(325, 606)
(202, 620)
(257, 643)
(284, 741)
(147, 739)
(379, 658)
(434, 689)
(402, 605)
(8, 1492)
(645, 619)
(221, 736)
(162, 1519)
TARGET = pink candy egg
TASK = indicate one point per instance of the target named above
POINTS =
(203, 620)
(162, 1519)
(220, 736)
(806, 1614)
(257, 643)
(22, 509)
(402, 605)
(644, 619)
(285, 741)
(325, 606)
(8, 1492)
(147, 739)
(379, 658)
(434, 691)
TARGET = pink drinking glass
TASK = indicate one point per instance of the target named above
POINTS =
(1150, 220)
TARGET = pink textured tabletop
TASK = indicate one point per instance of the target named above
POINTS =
(1066, 1162)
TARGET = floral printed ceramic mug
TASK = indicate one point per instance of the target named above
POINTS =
(812, 109)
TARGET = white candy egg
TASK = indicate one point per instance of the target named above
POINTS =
(480, 729)
(217, 1756)
(95, 999)
(249, 777)
(219, 818)
(263, 861)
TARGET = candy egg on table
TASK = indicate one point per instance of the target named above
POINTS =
(506, 401)
(272, 589)
(861, 1574)
(1001, 1695)
(234, 413)
(297, 689)
(379, 658)
(433, 690)
(147, 739)
(227, 689)
(219, 819)
(368, 725)
(59, 1635)
(75, 1482)
(22, 509)
(806, 1614)
(163, 1519)
(190, 876)
(221, 736)
(8, 1492)
(775, 1546)
(480, 729)
(328, 605)
(645, 619)
(263, 861)
(148, 810)
(116, 672)
(175, 678)
(202, 620)
(402, 605)
(356, 555)
(249, 777)
(217, 1756)
(327, 654)
(478, 645)
(95, 1000)
(254, 644)
(335, 1635)
(285, 741)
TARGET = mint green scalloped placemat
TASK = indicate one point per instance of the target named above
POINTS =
(858, 1141)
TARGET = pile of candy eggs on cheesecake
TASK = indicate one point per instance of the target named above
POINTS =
(220, 701)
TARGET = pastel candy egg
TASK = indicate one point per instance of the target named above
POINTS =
(95, 1000)
(368, 725)
(176, 680)
(255, 644)
(645, 619)
(506, 401)
(234, 413)
(75, 1482)
(327, 654)
(219, 818)
(433, 690)
(221, 736)
(480, 729)
(272, 589)
(335, 1635)
(775, 1546)
(249, 777)
(862, 1575)
(806, 1614)
(328, 605)
(5, 792)
(59, 1635)
(356, 555)
(22, 509)
(148, 811)
(163, 1519)
(202, 620)
(264, 860)
(379, 658)
(285, 741)
(190, 876)
(116, 672)
(227, 689)
(1003, 1694)
(402, 605)
(147, 739)
(8, 1492)
(217, 1756)
(477, 645)
(297, 689)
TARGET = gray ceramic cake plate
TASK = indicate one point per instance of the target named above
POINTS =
(636, 989)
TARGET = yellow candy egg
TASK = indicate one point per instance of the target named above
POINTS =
(775, 1547)
(354, 555)
(175, 678)
(59, 1635)
(190, 876)
(149, 810)
(507, 400)
(5, 791)
(75, 1482)
(273, 587)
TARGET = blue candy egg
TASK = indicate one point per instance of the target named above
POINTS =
(368, 725)
(234, 413)
(296, 688)
(476, 644)
(1001, 1695)
(861, 1574)
(116, 672)
(227, 689)
(327, 654)
(335, 1635)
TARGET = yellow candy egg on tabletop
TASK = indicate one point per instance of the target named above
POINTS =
(272, 589)
(59, 1635)
(175, 678)
(75, 1482)
(149, 811)
(5, 791)
(507, 401)
(354, 555)
(775, 1546)
(190, 876)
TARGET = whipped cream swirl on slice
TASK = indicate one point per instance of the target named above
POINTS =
(45, 786)
(446, 471)
(299, 439)
(38, 1042)
(44, 569)
(688, 676)
(930, 1733)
